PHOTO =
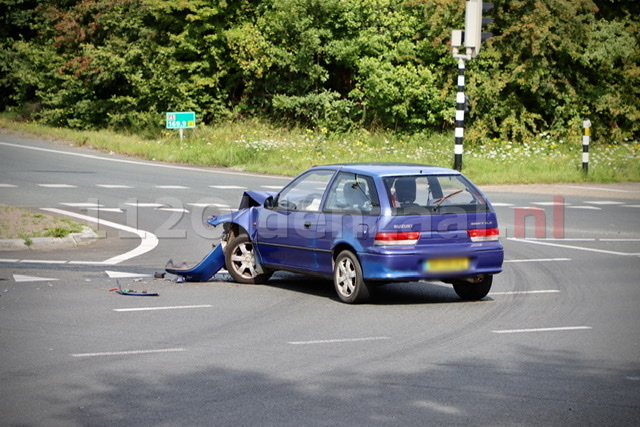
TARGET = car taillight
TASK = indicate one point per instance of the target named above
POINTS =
(397, 238)
(484, 234)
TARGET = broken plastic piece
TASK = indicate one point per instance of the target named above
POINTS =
(131, 292)
(204, 270)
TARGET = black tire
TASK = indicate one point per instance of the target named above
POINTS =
(240, 260)
(473, 291)
(348, 279)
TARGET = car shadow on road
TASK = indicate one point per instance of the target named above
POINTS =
(400, 293)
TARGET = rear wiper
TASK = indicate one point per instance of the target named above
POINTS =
(443, 198)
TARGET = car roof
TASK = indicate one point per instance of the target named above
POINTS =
(390, 169)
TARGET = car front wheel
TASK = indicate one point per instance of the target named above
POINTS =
(348, 279)
(473, 291)
(240, 259)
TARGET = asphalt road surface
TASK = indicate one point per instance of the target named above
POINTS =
(556, 342)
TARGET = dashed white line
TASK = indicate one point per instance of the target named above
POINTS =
(227, 187)
(175, 307)
(128, 353)
(146, 205)
(598, 188)
(558, 329)
(172, 187)
(604, 202)
(548, 291)
(19, 278)
(7, 186)
(536, 260)
(593, 208)
(83, 205)
(340, 340)
(57, 186)
(125, 275)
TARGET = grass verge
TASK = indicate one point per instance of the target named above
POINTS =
(259, 147)
(20, 223)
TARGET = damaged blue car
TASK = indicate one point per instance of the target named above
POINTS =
(364, 225)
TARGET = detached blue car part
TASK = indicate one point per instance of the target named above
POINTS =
(364, 225)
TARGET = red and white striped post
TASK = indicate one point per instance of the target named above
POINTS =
(586, 137)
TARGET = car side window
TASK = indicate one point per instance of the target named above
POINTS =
(305, 193)
(352, 193)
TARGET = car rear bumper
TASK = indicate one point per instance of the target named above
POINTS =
(411, 266)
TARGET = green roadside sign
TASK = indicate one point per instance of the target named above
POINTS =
(181, 120)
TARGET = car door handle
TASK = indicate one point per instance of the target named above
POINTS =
(307, 225)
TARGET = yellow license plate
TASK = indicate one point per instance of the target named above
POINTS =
(446, 265)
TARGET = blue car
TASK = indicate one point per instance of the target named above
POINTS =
(365, 225)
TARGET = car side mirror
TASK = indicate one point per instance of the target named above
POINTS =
(269, 203)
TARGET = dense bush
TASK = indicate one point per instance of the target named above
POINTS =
(330, 64)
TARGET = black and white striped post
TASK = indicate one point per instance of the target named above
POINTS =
(460, 109)
(586, 138)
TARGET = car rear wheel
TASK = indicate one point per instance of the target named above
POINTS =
(348, 279)
(240, 260)
(473, 291)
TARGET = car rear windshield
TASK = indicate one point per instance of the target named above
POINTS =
(437, 194)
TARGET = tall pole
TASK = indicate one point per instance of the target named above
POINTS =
(586, 138)
(460, 108)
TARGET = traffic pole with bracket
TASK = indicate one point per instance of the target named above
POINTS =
(460, 109)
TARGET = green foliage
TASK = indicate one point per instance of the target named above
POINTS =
(335, 65)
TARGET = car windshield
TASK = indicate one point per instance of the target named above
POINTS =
(437, 194)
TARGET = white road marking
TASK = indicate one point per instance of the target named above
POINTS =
(83, 205)
(139, 163)
(227, 187)
(598, 188)
(125, 275)
(593, 208)
(172, 187)
(101, 209)
(7, 186)
(549, 291)
(564, 328)
(204, 205)
(113, 186)
(176, 307)
(551, 204)
(146, 205)
(128, 353)
(632, 206)
(271, 187)
(502, 205)
(603, 202)
(338, 340)
(148, 240)
(19, 278)
(41, 261)
(57, 186)
(537, 260)
(580, 248)
(183, 210)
